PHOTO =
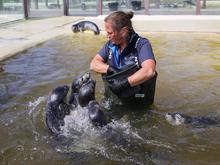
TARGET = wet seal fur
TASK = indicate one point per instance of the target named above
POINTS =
(85, 25)
(76, 86)
(177, 118)
(57, 109)
(96, 115)
(82, 94)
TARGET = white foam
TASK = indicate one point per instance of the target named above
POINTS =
(35, 103)
(177, 120)
(85, 137)
(53, 97)
(77, 121)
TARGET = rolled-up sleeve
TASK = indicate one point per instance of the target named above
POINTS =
(146, 52)
(104, 52)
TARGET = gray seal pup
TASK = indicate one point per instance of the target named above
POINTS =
(96, 115)
(177, 118)
(82, 94)
(57, 109)
(87, 93)
(76, 86)
(85, 25)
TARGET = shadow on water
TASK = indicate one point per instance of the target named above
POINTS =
(188, 82)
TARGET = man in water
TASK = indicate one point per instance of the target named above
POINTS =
(126, 61)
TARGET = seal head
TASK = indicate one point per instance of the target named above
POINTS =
(57, 109)
(95, 114)
(85, 25)
(87, 93)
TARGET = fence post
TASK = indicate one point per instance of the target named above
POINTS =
(25, 7)
(99, 7)
(146, 7)
(66, 7)
(198, 7)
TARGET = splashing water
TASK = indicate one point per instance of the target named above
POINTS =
(77, 121)
(32, 105)
(86, 138)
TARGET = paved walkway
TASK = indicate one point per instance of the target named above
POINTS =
(19, 36)
(171, 23)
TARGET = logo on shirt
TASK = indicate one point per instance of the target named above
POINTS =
(110, 54)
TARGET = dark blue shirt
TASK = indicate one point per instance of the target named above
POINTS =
(144, 47)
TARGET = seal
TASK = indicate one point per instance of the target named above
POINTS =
(96, 115)
(87, 93)
(85, 25)
(77, 83)
(57, 109)
(82, 94)
(177, 118)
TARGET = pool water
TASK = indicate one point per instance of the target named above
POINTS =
(188, 66)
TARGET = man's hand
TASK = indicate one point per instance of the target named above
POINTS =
(118, 85)
(111, 70)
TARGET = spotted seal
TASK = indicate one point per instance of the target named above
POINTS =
(57, 109)
(85, 25)
(96, 115)
(82, 94)
(177, 118)
(82, 85)
(87, 93)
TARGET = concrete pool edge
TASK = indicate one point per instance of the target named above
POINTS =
(20, 36)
